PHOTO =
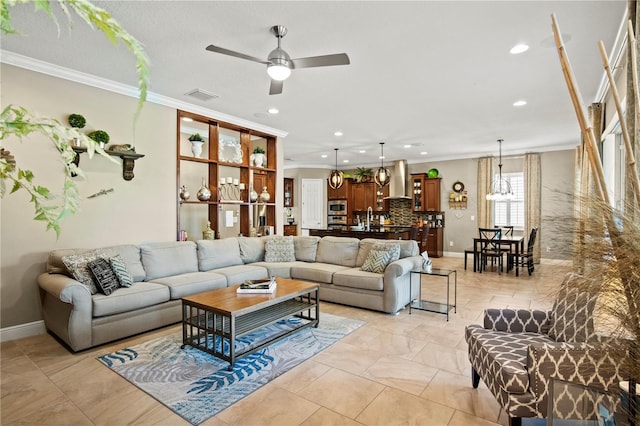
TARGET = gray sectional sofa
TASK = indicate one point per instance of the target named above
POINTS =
(163, 273)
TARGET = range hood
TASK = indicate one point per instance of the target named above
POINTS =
(399, 181)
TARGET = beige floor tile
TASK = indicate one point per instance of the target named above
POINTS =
(408, 376)
(463, 419)
(9, 350)
(394, 407)
(445, 358)
(301, 376)
(325, 417)
(348, 357)
(269, 405)
(371, 338)
(342, 392)
(64, 413)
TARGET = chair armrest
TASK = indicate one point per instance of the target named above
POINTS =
(582, 363)
(517, 320)
(64, 288)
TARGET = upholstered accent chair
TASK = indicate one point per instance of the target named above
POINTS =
(517, 352)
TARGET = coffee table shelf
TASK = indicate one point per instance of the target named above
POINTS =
(212, 321)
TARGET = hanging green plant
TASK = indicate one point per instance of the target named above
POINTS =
(77, 121)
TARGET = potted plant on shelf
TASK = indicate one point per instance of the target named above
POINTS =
(363, 174)
(196, 144)
(77, 121)
(258, 156)
(100, 136)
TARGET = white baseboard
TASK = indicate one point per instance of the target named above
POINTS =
(22, 330)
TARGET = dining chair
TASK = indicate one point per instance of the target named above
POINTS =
(490, 247)
(507, 248)
(528, 256)
(424, 238)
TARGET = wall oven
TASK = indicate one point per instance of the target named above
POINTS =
(337, 207)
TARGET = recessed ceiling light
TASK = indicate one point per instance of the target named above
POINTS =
(519, 103)
(424, 153)
(345, 161)
(324, 156)
(519, 48)
(187, 119)
(338, 133)
(362, 151)
(380, 157)
(273, 110)
(407, 146)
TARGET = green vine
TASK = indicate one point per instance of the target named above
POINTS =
(17, 121)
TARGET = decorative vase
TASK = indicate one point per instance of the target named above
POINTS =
(196, 148)
(77, 143)
(264, 195)
(253, 195)
(204, 193)
(208, 233)
(258, 160)
(184, 193)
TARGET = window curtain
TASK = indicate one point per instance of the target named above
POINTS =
(532, 196)
(485, 208)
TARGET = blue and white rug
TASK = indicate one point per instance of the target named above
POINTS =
(196, 385)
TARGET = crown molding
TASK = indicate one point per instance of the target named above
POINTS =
(53, 70)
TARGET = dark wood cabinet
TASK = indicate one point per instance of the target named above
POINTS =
(290, 230)
(342, 193)
(288, 192)
(425, 193)
(432, 194)
(368, 194)
(435, 242)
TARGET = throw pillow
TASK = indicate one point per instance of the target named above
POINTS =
(120, 269)
(106, 280)
(77, 266)
(376, 261)
(392, 248)
(279, 249)
(572, 314)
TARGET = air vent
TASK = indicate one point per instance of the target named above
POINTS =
(203, 95)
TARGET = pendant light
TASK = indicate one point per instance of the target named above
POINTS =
(382, 176)
(336, 178)
(500, 188)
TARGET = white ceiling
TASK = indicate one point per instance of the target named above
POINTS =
(435, 74)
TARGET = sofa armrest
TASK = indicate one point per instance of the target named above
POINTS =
(582, 363)
(517, 320)
(400, 267)
(64, 288)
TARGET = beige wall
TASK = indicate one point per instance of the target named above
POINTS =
(142, 209)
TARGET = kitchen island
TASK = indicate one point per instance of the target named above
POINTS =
(394, 233)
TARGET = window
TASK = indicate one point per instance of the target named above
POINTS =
(511, 212)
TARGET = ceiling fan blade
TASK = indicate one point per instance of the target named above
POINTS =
(276, 87)
(321, 61)
(216, 49)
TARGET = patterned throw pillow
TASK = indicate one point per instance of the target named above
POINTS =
(376, 260)
(392, 248)
(106, 280)
(120, 269)
(572, 313)
(77, 266)
(279, 249)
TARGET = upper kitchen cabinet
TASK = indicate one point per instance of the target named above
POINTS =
(425, 193)
(368, 194)
(342, 193)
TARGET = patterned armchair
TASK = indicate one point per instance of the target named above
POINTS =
(517, 352)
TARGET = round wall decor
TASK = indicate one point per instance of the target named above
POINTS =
(458, 186)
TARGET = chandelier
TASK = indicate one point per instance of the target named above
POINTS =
(500, 188)
(336, 178)
(382, 176)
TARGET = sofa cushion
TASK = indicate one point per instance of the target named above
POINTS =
(126, 299)
(572, 312)
(132, 259)
(251, 249)
(214, 254)
(357, 278)
(77, 267)
(338, 251)
(279, 249)
(239, 273)
(502, 356)
(191, 283)
(377, 260)
(278, 269)
(318, 272)
(168, 259)
(104, 277)
(405, 248)
(306, 248)
(119, 267)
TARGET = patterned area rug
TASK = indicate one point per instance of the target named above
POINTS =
(196, 385)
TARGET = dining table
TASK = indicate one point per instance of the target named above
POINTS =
(513, 241)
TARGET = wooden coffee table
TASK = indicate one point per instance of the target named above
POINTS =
(213, 320)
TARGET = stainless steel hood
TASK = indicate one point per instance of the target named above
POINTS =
(399, 184)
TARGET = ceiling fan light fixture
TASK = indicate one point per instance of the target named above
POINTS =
(382, 175)
(278, 72)
(336, 177)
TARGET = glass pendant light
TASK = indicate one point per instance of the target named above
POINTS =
(382, 176)
(336, 178)
(500, 188)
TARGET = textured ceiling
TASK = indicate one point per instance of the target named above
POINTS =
(436, 75)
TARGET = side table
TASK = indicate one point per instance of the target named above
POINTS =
(429, 305)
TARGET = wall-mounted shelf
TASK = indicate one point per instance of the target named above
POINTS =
(458, 205)
(128, 160)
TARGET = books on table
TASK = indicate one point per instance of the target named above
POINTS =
(258, 286)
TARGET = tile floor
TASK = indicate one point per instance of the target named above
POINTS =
(395, 370)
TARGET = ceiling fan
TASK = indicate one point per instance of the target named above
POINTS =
(279, 63)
